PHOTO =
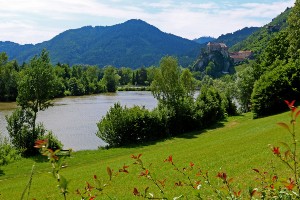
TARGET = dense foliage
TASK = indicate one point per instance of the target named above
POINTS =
(21, 130)
(177, 112)
(282, 83)
(131, 44)
(123, 126)
(8, 153)
(258, 40)
(8, 78)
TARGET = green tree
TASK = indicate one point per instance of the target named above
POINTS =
(76, 87)
(142, 76)
(294, 31)
(282, 83)
(276, 50)
(209, 106)
(125, 74)
(188, 83)
(111, 79)
(37, 86)
(8, 81)
(166, 86)
(245, 83)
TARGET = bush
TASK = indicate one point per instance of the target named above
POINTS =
(7, 152)
(122, 126)
(20, 129)
(283, 82)
(210, 106)
(180, 118)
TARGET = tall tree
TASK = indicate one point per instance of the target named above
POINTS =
(188, 83)
(8, 79)
(37, 85)
(111, 79)
(245, 83)
(166, 86)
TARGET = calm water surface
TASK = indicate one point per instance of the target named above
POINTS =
(73, 119)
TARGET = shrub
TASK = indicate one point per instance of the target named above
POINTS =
(122, 126)
(283, 82)
(20, 129)
(7, 152)
(180, 118)
(210, 107)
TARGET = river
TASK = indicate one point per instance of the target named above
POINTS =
(73, 119)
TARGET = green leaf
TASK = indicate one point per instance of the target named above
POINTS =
(284, 125)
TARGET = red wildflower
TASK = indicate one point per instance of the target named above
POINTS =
(290, 104)
(275, 178)
(192, 164)
(222, 175)
(136, 157)
(237, 194)
(276, 150)
(145, 173)
(169, 159)
(124, 169)
(40, 143)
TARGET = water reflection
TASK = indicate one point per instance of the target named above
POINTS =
(73, 119)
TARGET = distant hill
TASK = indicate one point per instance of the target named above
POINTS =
(133, 43)
(231, 39)
(204, 40)
(258, 40)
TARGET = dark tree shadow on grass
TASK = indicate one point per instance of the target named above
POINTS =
(187, 135)
(1, 172)
(194, 134)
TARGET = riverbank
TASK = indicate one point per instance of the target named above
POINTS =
(235, 147)
(74, 119)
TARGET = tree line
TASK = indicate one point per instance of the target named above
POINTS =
(74, 80)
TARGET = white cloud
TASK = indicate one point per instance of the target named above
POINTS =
(32, 21)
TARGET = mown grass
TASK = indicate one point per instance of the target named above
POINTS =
(235, 147)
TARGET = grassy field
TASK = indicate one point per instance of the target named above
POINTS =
(236, 146)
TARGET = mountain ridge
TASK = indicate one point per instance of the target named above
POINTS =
(133, 43)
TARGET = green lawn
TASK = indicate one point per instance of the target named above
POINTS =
(235, 147)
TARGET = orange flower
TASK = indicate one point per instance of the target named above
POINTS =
(291, 184)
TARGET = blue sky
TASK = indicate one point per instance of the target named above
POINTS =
(34, 21)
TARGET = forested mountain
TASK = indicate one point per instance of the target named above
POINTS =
(133, 43)
(231, 39)
(257, 41)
